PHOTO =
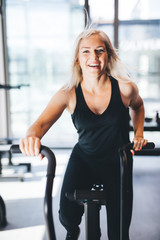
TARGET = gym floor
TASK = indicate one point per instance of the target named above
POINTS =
(24, 200)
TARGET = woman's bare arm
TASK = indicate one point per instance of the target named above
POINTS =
(132, 99)
(30, 145)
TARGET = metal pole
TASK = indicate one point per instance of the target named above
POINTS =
(116, 24)
(86, 12)
(92, 220)
(5, 56)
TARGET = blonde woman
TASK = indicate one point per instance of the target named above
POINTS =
(98, 97)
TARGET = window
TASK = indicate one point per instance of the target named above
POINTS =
(40, 37)
(139, 47)
(102, 16)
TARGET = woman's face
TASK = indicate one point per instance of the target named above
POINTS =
(93, 57)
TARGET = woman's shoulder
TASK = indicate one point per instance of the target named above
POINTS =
(70, 97)
(128, 91)
(128, 88)
(65, 92)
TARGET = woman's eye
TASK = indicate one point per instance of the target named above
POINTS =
(100, 50)
(86, 51)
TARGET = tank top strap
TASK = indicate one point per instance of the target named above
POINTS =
(116, 95)
(80, 102)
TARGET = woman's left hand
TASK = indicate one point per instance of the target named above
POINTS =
(139, 142)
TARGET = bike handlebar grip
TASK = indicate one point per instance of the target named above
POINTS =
(15, 149)
(129, 146)
(46, 152)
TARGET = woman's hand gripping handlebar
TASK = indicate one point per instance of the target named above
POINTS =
(46, 152)
(129, 146)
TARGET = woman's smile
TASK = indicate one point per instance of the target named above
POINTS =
(94, 65)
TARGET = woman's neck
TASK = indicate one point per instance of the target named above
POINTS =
(94, 84)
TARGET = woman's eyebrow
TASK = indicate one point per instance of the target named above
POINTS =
(84, 47)
(100, 46)
(96, 47)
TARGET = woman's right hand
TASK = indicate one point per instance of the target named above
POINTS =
(30, 146)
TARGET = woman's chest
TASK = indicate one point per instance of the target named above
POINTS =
(97, 104)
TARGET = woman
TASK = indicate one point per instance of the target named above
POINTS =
(98, 97)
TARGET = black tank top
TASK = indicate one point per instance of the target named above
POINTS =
(103, 134)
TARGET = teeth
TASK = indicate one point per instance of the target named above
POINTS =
(93, 65)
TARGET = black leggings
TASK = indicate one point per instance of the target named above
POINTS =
(81, 175)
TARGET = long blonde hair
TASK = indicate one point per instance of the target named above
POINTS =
(115, 67)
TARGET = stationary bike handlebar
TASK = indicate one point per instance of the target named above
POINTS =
(129, 146)
(148, 150)
(46, 152)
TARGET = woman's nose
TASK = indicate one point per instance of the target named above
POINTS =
(94, 55)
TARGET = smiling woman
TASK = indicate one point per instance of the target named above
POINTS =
(99, 106)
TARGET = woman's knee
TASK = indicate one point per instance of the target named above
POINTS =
(70, 215)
